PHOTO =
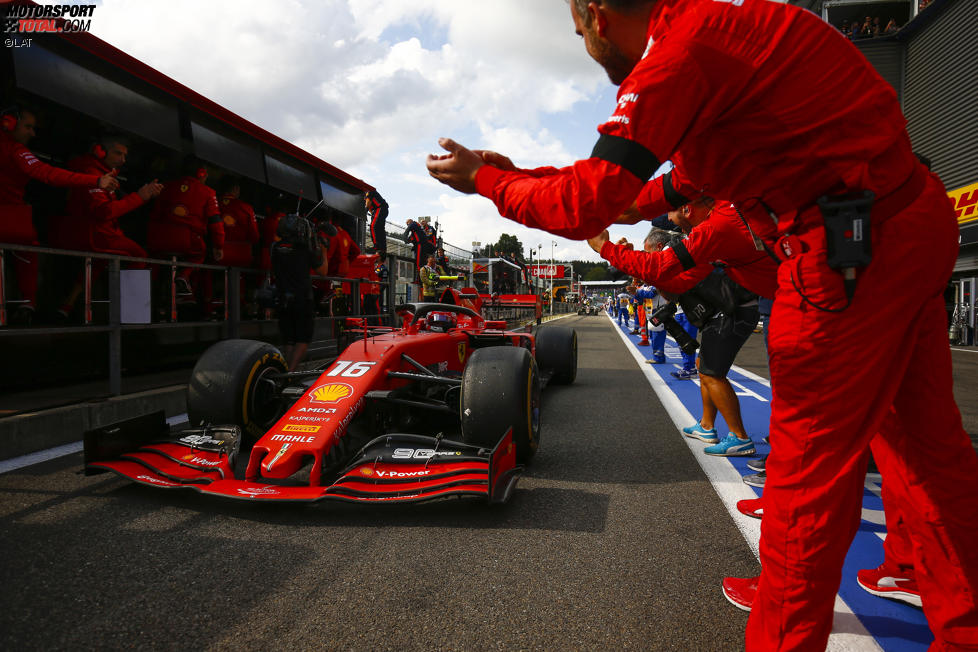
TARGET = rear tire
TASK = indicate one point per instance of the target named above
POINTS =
(501, 389)
(557, 351)
(230, 385)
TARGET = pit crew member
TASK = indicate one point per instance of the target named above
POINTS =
(733, 88)
(18, 166)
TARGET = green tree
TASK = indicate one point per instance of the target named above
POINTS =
(507, 244)
(597, 273)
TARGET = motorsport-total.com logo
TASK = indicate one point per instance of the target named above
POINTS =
(19, 18)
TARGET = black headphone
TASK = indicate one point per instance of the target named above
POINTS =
(11, 116)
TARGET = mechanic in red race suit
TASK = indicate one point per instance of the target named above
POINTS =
(717, 234)
(240, 236)
(18, 166)
(268, 228)
(734, 88)
(92, 221)
(186, 213)
(240, 226)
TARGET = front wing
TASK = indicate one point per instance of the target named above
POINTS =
(391, 468)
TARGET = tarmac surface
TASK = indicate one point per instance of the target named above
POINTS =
(614, 538)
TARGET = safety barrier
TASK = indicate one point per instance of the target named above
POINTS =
(114, 326)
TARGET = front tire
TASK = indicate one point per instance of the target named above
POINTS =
(231, 384)
(501, 389)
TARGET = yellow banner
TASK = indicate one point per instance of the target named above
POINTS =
(965, 201)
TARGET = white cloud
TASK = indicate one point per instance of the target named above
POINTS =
(369, 85)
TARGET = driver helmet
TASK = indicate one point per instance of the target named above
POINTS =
(441, 321)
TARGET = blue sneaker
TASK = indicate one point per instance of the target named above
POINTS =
(699, 432)
(657, 359)
(731, 447)
(684, 374)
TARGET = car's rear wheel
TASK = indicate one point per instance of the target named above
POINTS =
(231, 384)
(501, 389)
(556, 349)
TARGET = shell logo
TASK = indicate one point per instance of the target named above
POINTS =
(330, 393)
(229, 220)
(180, 210)
(367, 470)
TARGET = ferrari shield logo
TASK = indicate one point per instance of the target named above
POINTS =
(461, 351)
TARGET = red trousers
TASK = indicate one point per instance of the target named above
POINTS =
(16, 227)
(166, 239)
(893, 343)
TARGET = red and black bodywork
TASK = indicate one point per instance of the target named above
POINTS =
(446, 404)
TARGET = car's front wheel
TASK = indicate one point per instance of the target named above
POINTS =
(501, 389)
(231, 384)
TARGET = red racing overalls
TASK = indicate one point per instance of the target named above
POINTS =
(93, 216)
(755, 117)
(18, 166)
(185, 213)
(240, 231)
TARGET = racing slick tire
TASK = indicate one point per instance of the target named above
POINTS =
(501, 389)
(557, 351)
(230, 385)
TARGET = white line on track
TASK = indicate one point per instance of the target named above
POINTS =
(848, 633)
(14, 463)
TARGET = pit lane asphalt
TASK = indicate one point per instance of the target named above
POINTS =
(613, 539)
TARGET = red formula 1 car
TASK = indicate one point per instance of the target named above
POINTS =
(447, 404)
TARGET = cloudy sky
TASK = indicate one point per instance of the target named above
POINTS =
(370, 85)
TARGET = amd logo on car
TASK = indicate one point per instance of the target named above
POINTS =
(318, 410)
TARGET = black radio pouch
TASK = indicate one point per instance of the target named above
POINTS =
(847, 236)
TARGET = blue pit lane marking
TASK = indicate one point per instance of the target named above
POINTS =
(894, 626)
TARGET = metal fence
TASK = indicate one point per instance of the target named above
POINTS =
(231, 319)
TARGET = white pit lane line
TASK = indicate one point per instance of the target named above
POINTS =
(848, 633)
(14, 463)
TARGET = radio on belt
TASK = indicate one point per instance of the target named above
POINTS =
(847, 235)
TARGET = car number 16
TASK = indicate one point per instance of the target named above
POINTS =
(350, 369)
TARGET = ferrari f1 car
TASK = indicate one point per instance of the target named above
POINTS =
(446, 404)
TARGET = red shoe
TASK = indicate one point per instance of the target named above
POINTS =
(752, 507)
(890, 582)
(740, 591)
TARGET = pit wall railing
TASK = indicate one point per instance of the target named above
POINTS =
(228, 315)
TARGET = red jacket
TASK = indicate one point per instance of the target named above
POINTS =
(95, 209)
(723, 237)
(18, 166)
(193, 204)
(712, 86)
(342, 250)
(239, 220)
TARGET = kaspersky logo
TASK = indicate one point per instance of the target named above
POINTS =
(332, 393)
